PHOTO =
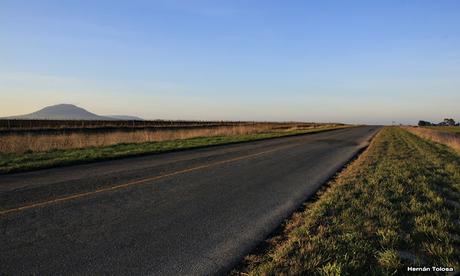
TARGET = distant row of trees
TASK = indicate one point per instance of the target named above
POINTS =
(445, 122)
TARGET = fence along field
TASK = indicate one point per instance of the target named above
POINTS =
(21, 136)
(13, 124)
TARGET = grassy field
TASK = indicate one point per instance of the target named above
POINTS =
(43, 139)
(36, 141)
(448, 138)
(397, 205)
(14, 162)
(454, 129)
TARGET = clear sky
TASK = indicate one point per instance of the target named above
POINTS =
(349, 61)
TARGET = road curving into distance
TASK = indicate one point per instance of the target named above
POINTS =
(194, 212)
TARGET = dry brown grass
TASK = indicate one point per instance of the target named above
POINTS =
(36, 142)
(450, 139)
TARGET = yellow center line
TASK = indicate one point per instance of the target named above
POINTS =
(136, 182)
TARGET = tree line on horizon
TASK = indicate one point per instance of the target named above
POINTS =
(445, 122)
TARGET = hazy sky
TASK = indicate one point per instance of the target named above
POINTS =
(349, 61)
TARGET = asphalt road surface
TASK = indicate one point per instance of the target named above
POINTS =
(193, 212)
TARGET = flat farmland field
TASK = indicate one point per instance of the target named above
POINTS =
(443, 135)
(454, 129)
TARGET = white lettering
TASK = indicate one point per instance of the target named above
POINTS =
(443, 269)
(417, 269)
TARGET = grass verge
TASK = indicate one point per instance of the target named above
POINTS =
(38, 160)
(454, 129)
(451, 139)
(396, 206)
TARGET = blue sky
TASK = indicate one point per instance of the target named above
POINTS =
(349, 61)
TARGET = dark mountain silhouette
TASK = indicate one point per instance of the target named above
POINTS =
(69, 112)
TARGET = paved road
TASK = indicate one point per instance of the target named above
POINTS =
(191, 212)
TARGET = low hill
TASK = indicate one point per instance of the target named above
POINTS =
(69, 112)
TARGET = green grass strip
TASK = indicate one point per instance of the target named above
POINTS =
(396, 206)
(38, 160)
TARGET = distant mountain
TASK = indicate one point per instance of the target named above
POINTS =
(68, 112)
